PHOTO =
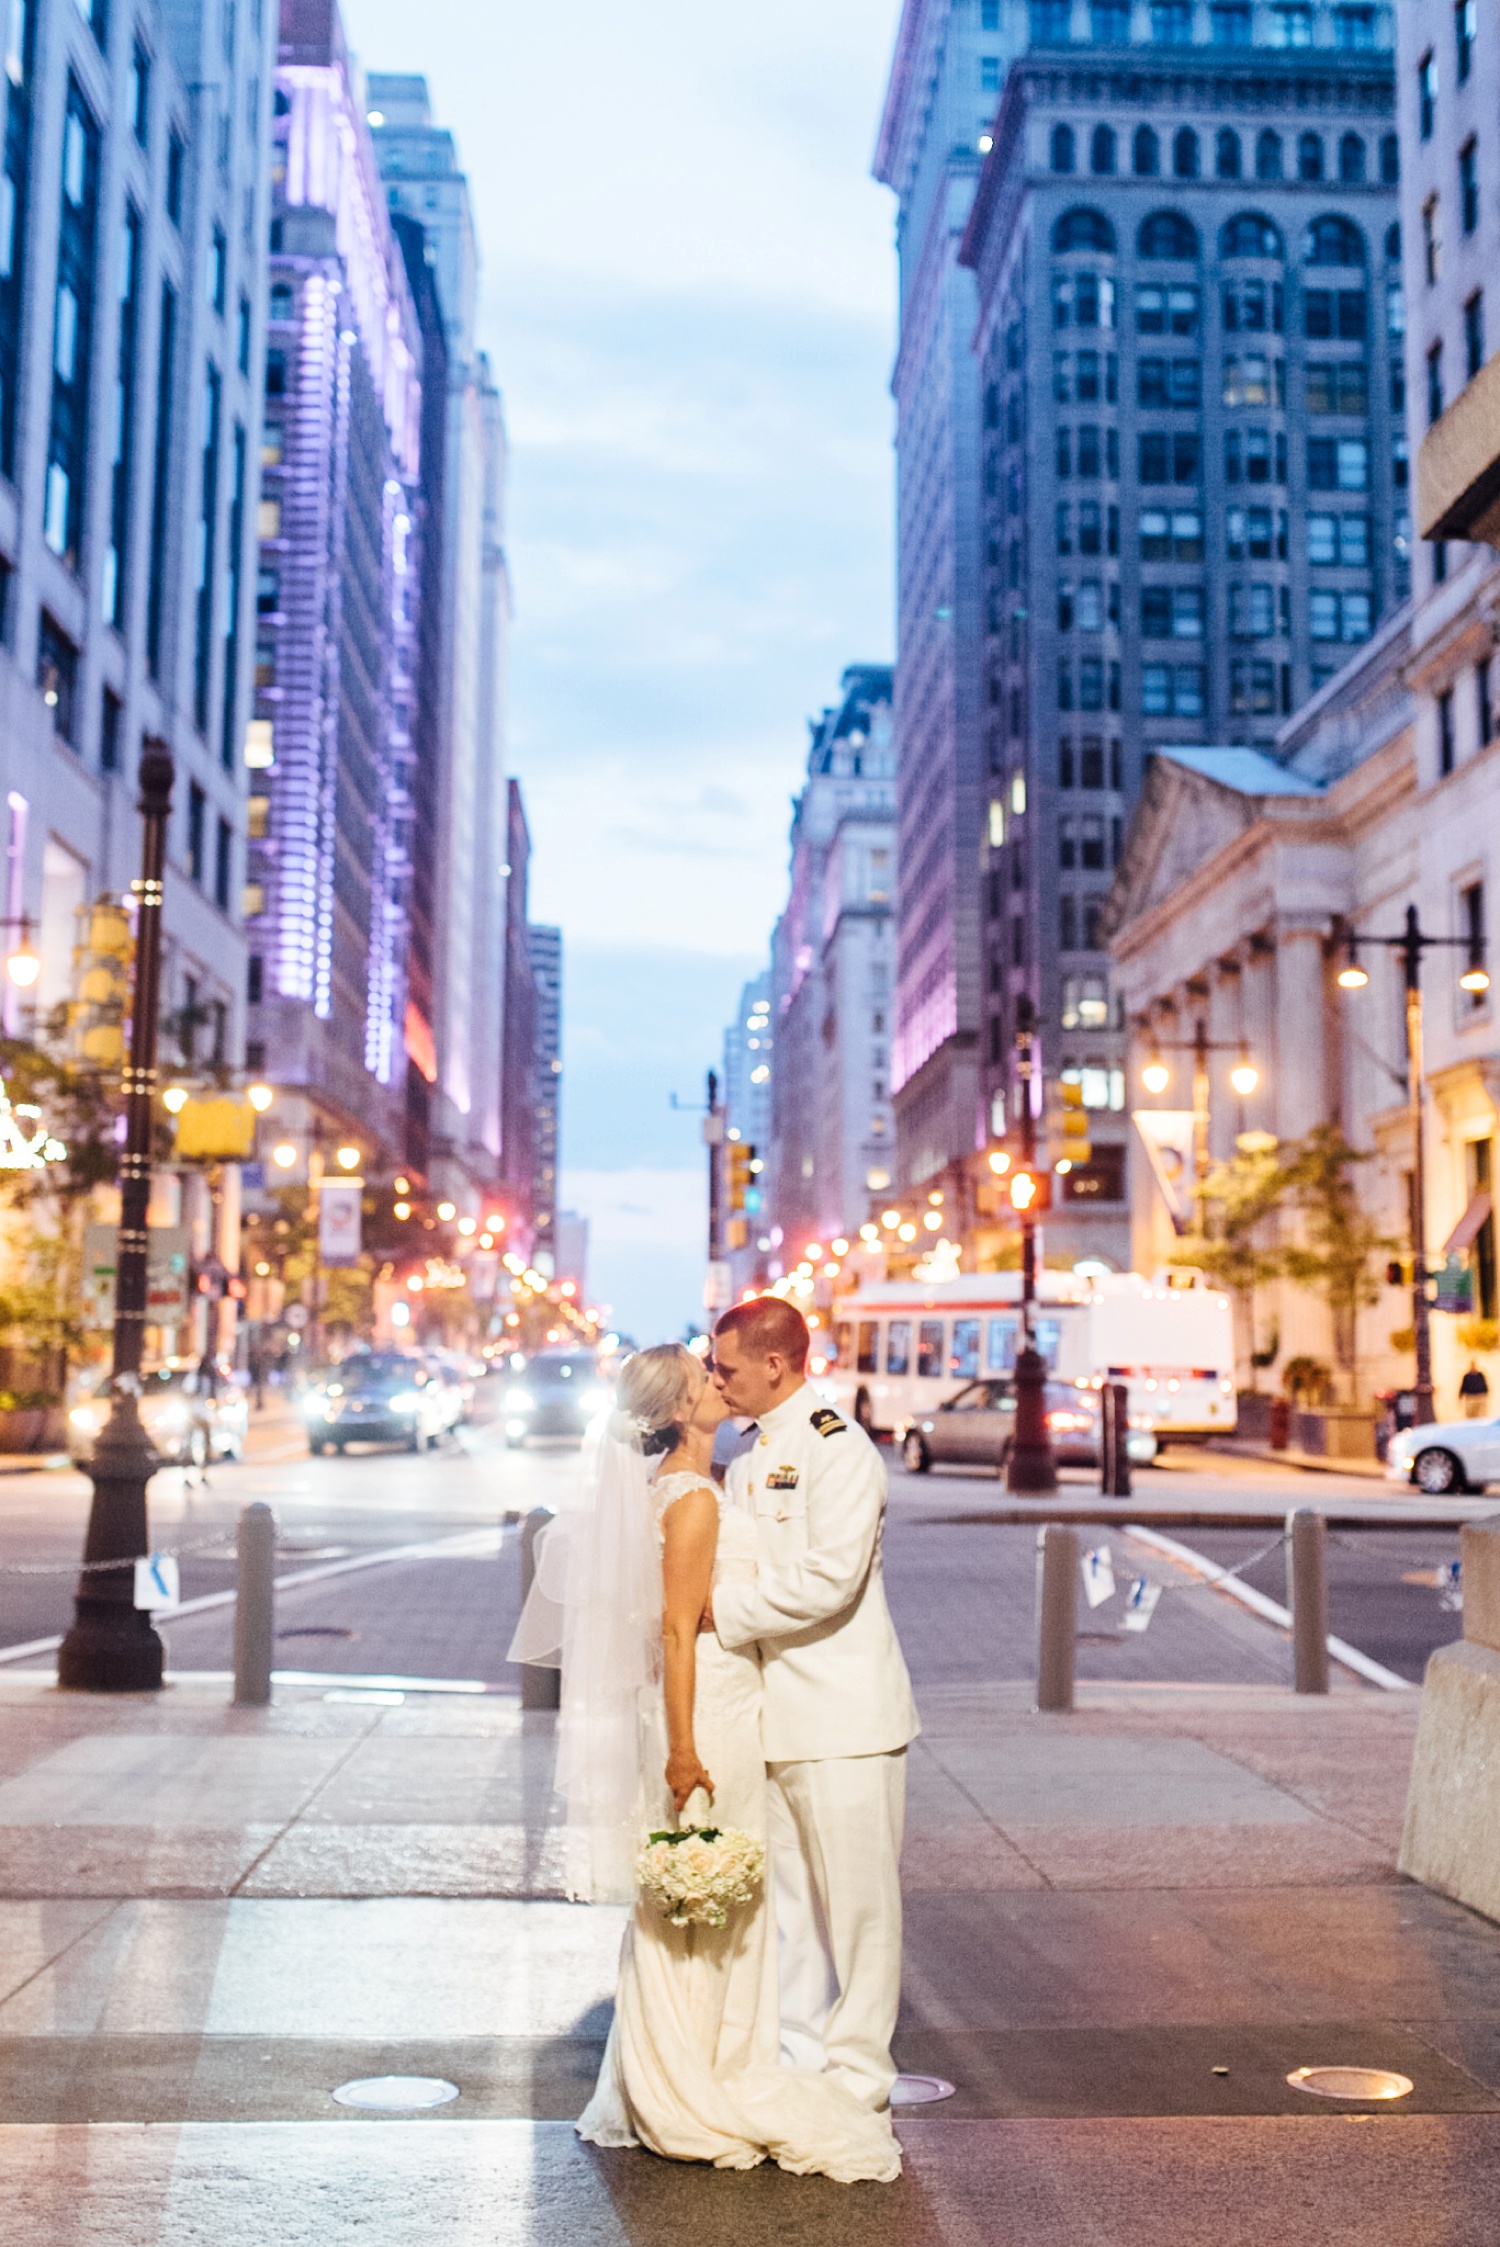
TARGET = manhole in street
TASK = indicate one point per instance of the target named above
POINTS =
(318, 1630)
(920, 2090)
(396, 2094)
(1350, 2083)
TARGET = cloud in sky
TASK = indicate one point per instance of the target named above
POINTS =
(687, 295)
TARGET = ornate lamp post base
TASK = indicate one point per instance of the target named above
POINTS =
(1031, 1471)
(112, 1646)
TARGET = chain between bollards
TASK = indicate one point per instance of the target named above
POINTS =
(1057, 1615)
(1307, 1597)
(255, 1607)
(541, 1685)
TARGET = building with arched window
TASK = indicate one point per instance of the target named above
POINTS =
(1190, 491)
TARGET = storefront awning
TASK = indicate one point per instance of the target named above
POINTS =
(1466, 1231)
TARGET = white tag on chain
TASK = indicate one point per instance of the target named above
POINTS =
(1098, 1575)
(157, 1583)
(1140, 1604)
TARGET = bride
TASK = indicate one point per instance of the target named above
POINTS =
(652, 1713)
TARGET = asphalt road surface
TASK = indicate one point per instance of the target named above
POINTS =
(961, 1582)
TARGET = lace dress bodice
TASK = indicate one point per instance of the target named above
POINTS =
(735, 1559)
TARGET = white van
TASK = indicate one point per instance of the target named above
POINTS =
(901, 1347)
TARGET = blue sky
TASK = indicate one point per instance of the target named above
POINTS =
(687, 292)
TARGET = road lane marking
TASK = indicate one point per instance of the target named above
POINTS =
(1220, 1580)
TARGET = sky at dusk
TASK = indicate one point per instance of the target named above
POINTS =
(687, 293)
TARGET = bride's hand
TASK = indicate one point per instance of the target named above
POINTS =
(685, 1774)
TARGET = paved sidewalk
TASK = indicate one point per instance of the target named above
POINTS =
(1125, 1928)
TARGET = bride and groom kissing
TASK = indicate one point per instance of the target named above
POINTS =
(735, 1643)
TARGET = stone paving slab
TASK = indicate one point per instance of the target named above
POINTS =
(1381, 2181)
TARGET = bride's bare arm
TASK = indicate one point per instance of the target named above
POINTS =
(690, 1537)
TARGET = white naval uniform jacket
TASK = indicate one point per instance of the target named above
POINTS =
(835, 1678)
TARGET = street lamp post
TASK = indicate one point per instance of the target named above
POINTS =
(1410, 945)
(1030, 1469)
(111, 1646)
(1244, 1077)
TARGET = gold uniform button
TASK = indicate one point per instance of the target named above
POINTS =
(765, 1439)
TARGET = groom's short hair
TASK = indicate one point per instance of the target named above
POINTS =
(768, 1324)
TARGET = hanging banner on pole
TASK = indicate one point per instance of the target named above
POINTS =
(1168, 1137)
(339, 1220)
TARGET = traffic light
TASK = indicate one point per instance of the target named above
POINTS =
(744, 1168)
(1068, 1146)
(1028, 1190)
(102, 961)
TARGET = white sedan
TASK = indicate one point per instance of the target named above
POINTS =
(1446, 1456)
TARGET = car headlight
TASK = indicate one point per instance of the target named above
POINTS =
(89, 1417)
(170, 1416)
(406, 1401)
(515, 1427)
(315, 1408)
(520, 1402)
(593, 1400)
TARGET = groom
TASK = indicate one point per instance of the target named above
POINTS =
(838, 1710)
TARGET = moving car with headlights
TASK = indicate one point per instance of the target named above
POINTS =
(378, 1399)
(552, 1395)
(193, 1414)
(1447, 1457)
(976, 1428)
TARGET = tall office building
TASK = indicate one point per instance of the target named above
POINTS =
(746, 1095)
(949, 65)
(459, 795)
(832, 979)
(1193, 469)
(131, 312)
(338, 601)
(544, 946)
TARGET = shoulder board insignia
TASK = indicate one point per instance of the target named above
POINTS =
(828, 1423)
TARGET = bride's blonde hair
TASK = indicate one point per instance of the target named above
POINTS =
(657, 1390)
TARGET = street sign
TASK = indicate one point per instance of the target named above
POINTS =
(339, 1220)
(168, 1274)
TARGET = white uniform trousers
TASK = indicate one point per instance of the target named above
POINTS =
(835, 1831)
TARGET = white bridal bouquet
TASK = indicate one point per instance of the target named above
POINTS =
(698, 1874)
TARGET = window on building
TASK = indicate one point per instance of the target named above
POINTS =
(989, 15)
(1051, 22)
(1252, 456)
(1248, 379)
(111, 711)
(1230, 23)
(1474, 334)
(1145, 153)
(72, 333)
(1171, 536)
(1249, 535)
(1083, 300)
(1166, 309)
(218, 268)
(1291, 25)
(1252, 686)
(1172, 612)
(1110, 22)
(1343, 540)
(1329, 314)
(989, 74)
(1102, 150)
(1352, 160)
(1434, 383)
(1253, 307)
(1268, 155)
(1468, 185)
(1354, 28)
(1332, 240)
(1250, 234)
(161, 478)
(197, 812)
(1252, 612)
(1172, 690)
(1167, 234)
(1185, 160)
(138, 93)
(1170, 456)
(123, 421)
(1471, 928)
(1445, 733)
(1170, 382)
(208, 518)
(176, 165)
(95, 14)
(223, 864)
(1427, 93)
(1172, 23)
(57, 673)
(1227, 158)
(1085, 1002)
(1310, 156)
(1484, 703)
(1337, 386)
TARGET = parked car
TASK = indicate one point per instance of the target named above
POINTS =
(974, 1428)
(193, 1414)
(554, 1394)
(452, 1371)
(378, 1399)
(1446, 1457)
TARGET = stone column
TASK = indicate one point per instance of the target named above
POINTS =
(1301, 1031)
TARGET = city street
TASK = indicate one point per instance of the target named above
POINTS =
(961, 1574)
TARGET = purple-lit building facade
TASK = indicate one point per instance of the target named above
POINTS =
(337, 604)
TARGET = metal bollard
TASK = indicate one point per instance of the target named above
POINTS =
(255, 1606)
(1057, 1615)
(1114, 1445)
(1307, 1585)
(541, 1686)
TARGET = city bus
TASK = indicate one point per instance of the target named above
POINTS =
(899, 1347)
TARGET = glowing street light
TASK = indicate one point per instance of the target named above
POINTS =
(23, 967)
(347, 1158)
(447, 1211)
(284, 1156)
(1156, 1076)
(260, 1097)
(175, 1099)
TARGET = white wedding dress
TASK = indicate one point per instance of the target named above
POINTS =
(692, 2067)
